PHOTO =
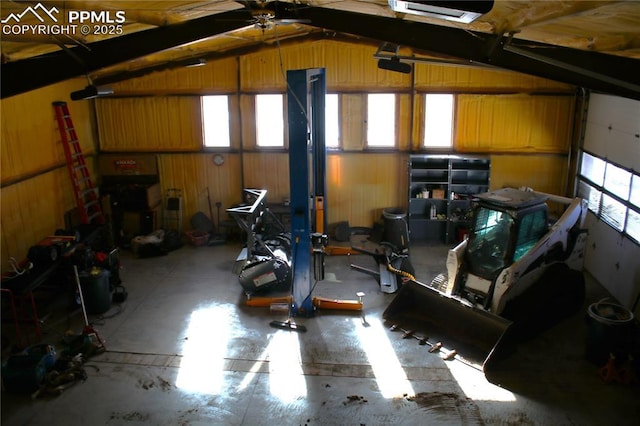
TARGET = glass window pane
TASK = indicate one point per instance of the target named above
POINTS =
(593, 168)
(215, 121)
(618, 181)
(633, 225)
(635, 191)
(488, 246)
(381, 120)
(532, 228)
(332, 122)
(269, 120)
(591, 194)
(613, 212)
(438, 120)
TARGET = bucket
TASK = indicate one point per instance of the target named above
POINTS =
(96, 290)
(396, 230)
(610, 331)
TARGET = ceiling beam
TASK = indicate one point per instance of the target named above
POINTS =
(121, 75)
(607, 73)
(78, 61)
(596, 71)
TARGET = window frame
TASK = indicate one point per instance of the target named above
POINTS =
(394, 145)
(283, 146)
(423, 142)
(339, 127)
(204, 125)
(603, 192)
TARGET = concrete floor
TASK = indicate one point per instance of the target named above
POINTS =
(184, 350)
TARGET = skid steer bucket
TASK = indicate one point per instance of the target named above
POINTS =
(477, 336)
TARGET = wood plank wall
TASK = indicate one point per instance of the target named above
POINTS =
(523, 122)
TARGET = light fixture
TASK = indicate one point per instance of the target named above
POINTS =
(452, 10)
(394, 64)
(391, 61)
(196, 62)
(91, 92)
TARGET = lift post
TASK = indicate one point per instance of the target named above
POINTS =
(306, 90)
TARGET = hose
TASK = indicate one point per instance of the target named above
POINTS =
(400, 272)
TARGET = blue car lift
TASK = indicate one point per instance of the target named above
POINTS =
(306, 90)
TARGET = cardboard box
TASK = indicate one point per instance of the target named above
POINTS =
(438, 193)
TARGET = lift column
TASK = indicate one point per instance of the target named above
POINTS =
(306, 90)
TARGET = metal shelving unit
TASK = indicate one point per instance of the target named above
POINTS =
(439, 190)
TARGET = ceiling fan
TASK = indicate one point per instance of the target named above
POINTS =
(264, 13)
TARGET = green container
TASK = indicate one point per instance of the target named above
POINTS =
(96, 290)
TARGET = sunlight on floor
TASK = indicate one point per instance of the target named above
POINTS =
(204, 350)
(475, 386)
(282, 361)
(390, 377)
(286, 378)
(257, 367)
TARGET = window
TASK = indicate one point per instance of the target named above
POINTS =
(532, 227)
(613, 193)
(593, 168)
(635, 191)
(438, 120)
(613, 212)
(381, 120)
(215, 121)
(591, 194)
(270, 121)
(332, 122)
(487, 248)
(617, 180)
(633, 225)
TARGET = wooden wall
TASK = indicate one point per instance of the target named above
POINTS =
(36, 189)
(523, 122)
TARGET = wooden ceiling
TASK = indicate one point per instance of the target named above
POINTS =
(595, 44)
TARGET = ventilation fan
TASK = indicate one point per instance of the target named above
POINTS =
(264, 14)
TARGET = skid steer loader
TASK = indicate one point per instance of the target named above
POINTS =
(513, 276)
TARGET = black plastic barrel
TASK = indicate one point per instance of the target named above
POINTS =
(96, 291)
(396, 230)
(609, 331)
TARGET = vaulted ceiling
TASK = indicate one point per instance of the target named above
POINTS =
(593, 44)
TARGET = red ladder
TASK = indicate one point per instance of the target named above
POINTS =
(86, 193)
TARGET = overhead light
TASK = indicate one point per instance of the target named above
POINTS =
(394, 64)
(391, 61)
(196, 63)
(452, 10)
(91, 92)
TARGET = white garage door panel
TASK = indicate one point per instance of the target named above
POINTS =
(613, 145)
(613, 261)
(621, 114)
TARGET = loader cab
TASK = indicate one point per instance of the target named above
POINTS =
(506, 224)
